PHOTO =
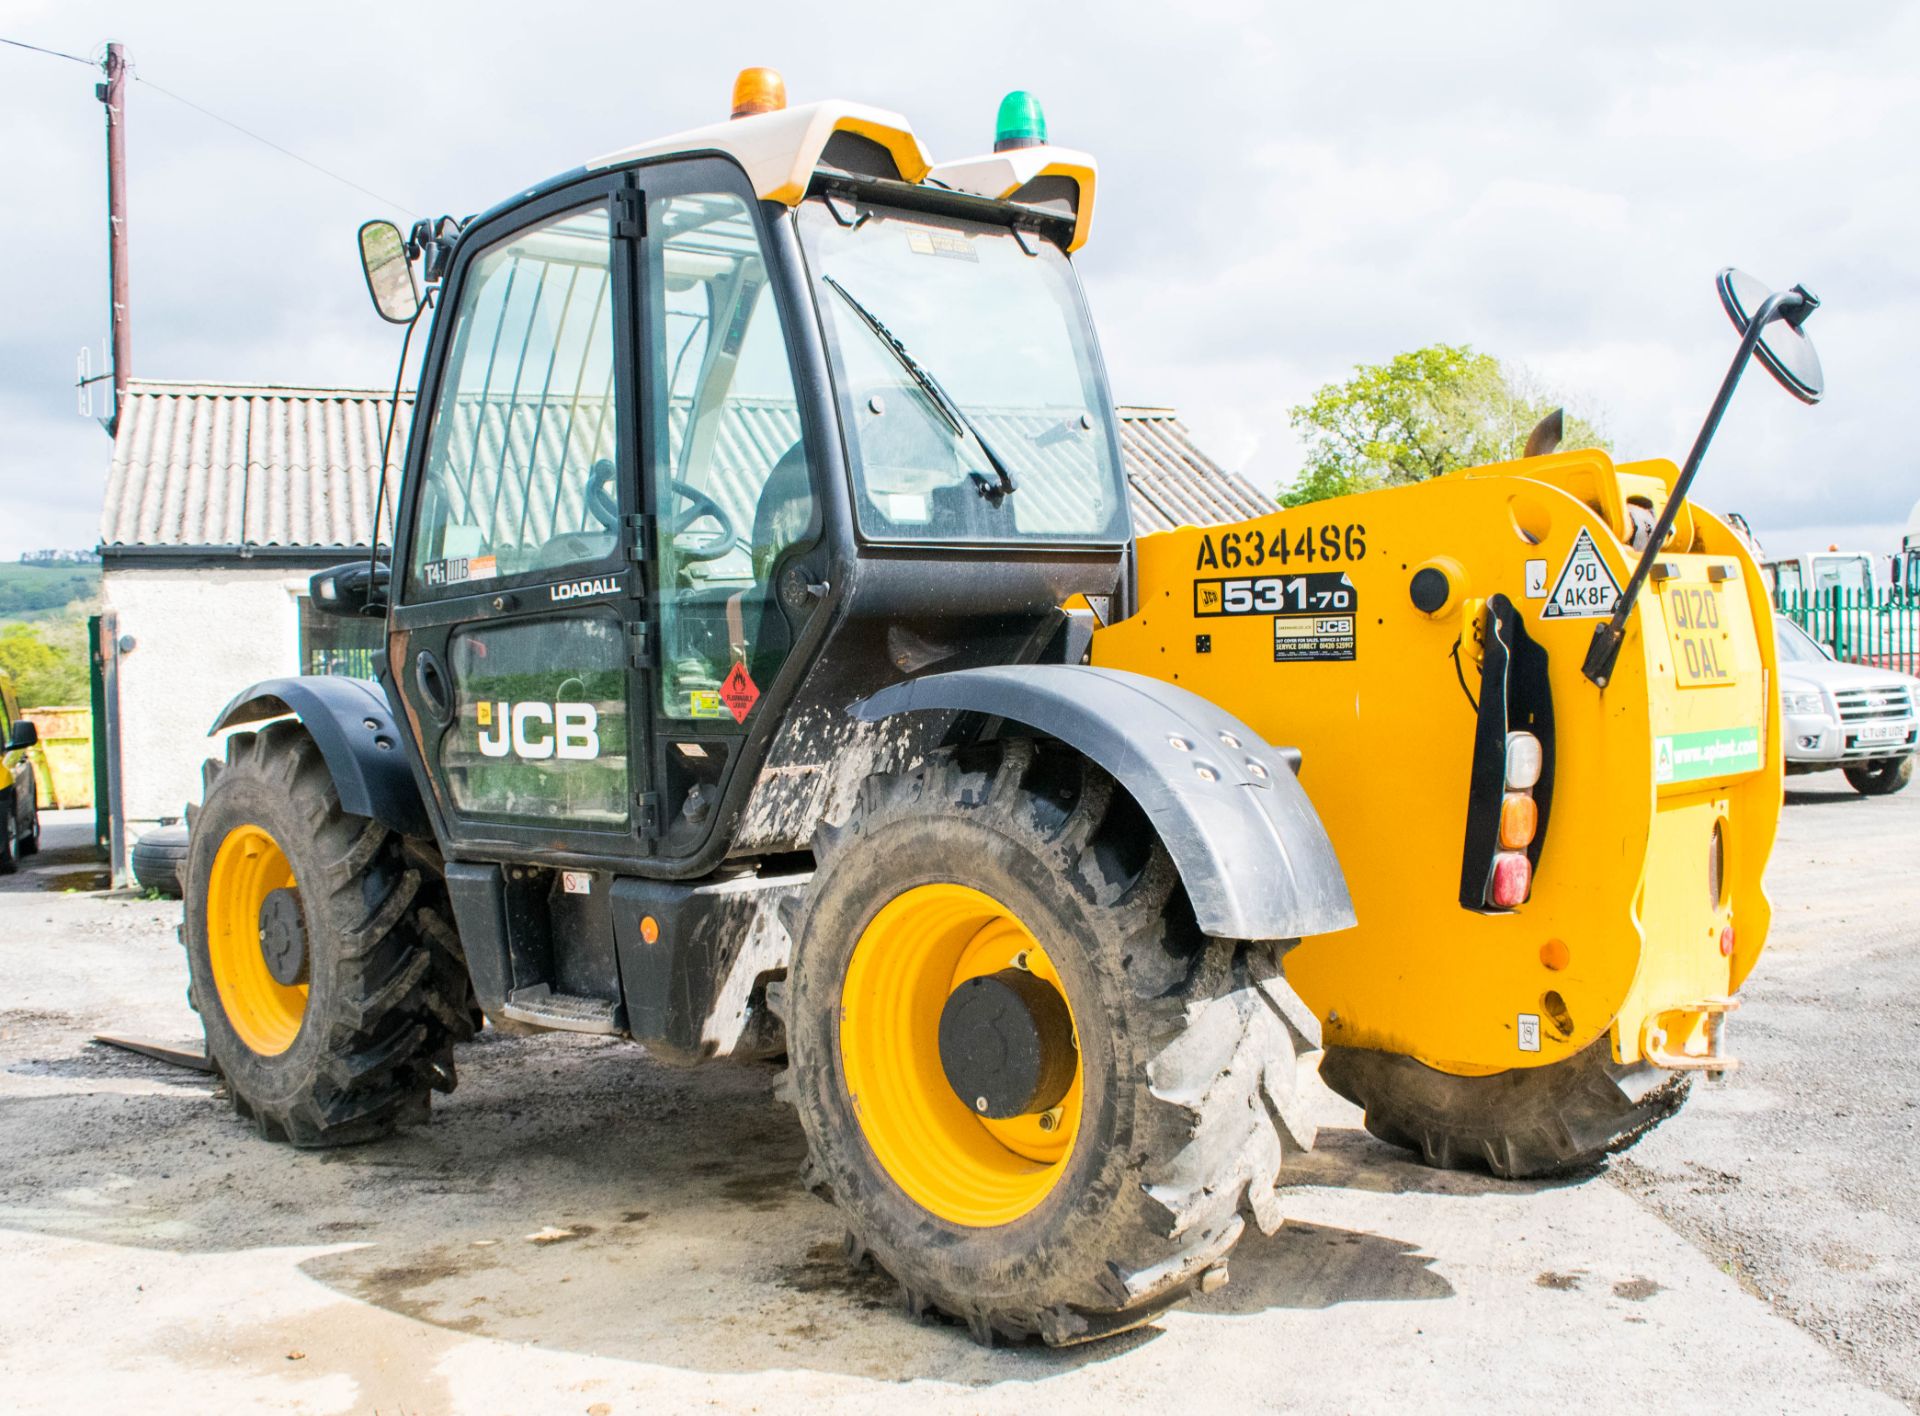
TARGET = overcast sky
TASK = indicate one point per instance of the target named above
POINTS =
(1285, 191)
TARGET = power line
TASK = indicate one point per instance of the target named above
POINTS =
(228, 122)
(19, 44)
(268, 142)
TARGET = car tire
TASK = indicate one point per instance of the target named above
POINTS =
(9, 835)
(27, 843)
(1882, 778)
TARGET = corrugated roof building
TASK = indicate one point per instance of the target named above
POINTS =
(260, 468)
(224, 498)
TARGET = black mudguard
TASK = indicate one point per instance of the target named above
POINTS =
(353, 727)
(1256, 861)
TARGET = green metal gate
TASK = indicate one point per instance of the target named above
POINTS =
(1859, 626)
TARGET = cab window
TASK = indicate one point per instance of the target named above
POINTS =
(519, 473)
(732, 493)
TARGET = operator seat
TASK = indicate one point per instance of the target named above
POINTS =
(780, 521)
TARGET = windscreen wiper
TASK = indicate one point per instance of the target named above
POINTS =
(951, 412)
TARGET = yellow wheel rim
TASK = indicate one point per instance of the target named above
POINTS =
(264, 1012)
(960, 1166)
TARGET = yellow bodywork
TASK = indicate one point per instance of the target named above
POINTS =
(1622, 933)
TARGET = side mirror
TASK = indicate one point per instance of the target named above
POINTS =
(1770, 323)
(24, 736)
(390, 278)
(355, 590)
(1784, 348)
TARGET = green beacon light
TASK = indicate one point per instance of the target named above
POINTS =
(1021, 123)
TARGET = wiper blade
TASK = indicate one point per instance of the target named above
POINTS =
(951, 412)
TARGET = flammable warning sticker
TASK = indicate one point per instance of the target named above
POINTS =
(1586, 588)
(1718, 752)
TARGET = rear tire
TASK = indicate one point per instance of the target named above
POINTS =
(1881, 778)
(1186, 1049)
(385, 994)
(1518, 1125)
(9, 835)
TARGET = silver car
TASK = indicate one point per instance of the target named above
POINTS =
(1849, 716)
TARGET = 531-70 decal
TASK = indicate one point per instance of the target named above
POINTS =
(1313, 614)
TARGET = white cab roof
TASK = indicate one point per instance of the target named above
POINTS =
(779, 152)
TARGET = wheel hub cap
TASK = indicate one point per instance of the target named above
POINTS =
(283, 937)
(1006, 1044)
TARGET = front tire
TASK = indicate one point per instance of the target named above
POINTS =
(1881, 778)
(1518, 1125)
(322, 978)
(1185, 1047)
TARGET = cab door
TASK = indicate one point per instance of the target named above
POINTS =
(733, 491)
(518, 601)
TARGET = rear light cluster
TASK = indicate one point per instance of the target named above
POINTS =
(1511, 881)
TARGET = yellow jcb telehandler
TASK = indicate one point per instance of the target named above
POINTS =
(771, 671)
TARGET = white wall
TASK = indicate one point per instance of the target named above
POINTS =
(200, 636)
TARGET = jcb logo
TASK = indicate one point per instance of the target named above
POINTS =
(536, 731)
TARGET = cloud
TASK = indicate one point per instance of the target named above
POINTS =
(1284, 193)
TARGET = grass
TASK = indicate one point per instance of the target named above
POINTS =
(42, 592)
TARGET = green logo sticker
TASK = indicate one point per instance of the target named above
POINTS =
(1719, 752)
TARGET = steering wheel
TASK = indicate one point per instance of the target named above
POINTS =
(605, 507)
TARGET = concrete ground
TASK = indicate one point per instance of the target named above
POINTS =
(582, 1230)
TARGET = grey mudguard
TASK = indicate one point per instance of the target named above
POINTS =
(1256, 860)
(353, 728)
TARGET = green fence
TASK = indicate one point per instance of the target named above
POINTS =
(1860, 626)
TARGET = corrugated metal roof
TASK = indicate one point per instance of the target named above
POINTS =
(234, 465)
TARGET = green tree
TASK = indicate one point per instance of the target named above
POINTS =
(1419, 415)
(48, 663)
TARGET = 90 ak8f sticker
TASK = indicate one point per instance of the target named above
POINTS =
(1313, 615)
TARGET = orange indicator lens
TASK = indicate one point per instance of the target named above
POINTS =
(1519, 819)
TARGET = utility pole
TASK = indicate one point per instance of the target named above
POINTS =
(112, 94)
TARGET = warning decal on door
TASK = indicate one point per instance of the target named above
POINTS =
(739, 693)
(1586, 589)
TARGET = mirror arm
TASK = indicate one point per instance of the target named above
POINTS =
(1604, 650)
(386, 440)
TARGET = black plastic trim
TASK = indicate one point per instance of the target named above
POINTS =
(350, 722)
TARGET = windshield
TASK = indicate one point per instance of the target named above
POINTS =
(1844, 572)
(920, 309)
(1796, 645)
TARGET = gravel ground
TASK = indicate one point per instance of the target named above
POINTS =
(583, 1230)
(1797, 1173)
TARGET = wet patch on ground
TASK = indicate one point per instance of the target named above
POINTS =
(825, 1270)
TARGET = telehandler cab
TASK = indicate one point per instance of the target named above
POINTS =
(771, 671)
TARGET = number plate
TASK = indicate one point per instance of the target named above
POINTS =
(1881, 732)
(1702, 653)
